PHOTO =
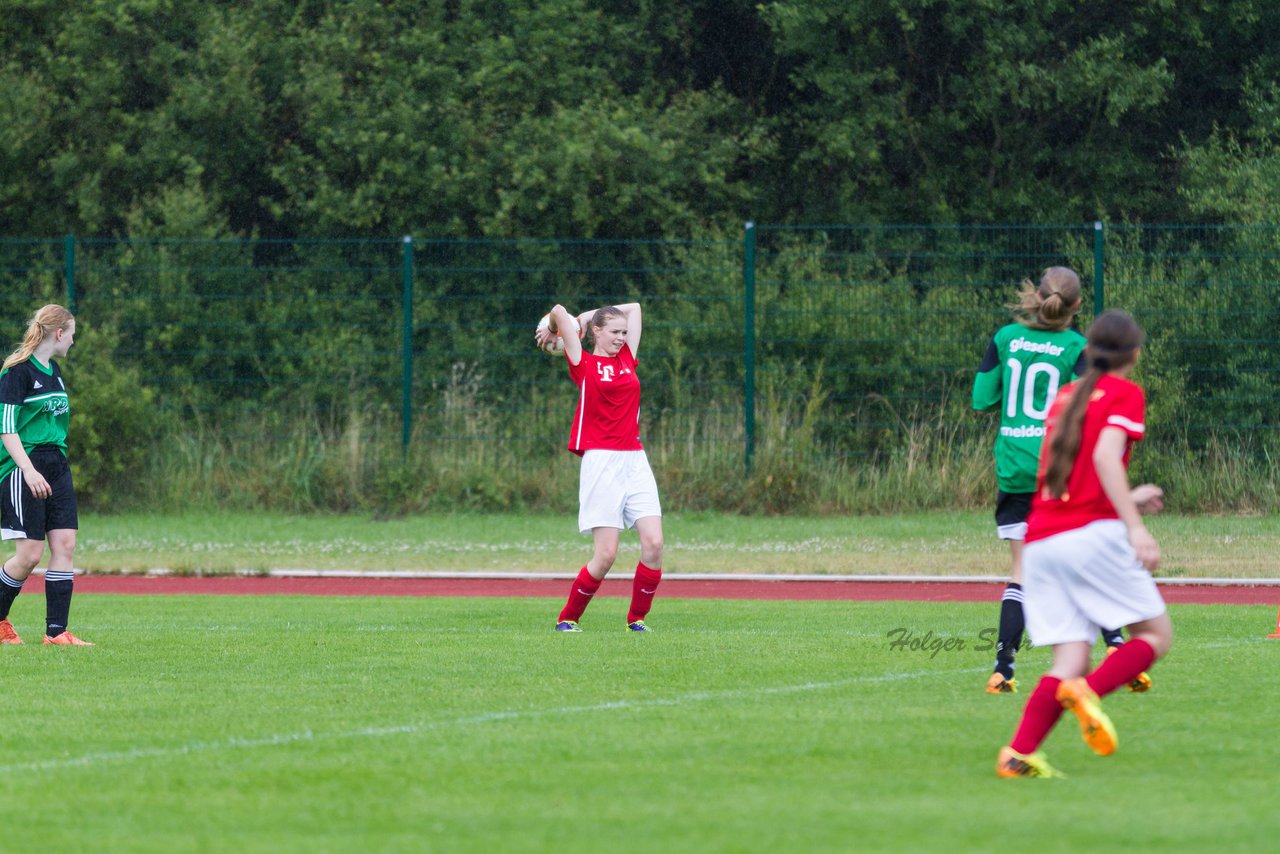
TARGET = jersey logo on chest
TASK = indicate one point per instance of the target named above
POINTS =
(608, 372)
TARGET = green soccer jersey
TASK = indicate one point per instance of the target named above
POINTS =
(1021, 373)
(33, 404)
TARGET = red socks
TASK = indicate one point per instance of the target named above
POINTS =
(1121, 667)
(1041, 713)
(642, 591)
(1043, 709)
(584, 587)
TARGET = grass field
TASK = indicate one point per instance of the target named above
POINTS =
(318, 724)
(911, 544)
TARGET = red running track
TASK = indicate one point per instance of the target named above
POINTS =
(672, 586)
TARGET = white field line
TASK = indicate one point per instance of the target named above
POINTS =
(192, 748)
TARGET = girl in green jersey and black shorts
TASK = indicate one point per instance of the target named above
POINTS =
(37, 500)
(1024, 366)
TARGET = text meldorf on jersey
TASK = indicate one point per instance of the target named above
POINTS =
(1024, 432)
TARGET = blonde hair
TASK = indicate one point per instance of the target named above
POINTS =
(1052, 304)
(41, 325)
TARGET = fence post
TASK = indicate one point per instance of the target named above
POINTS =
(749, 341)
(69, 269)
(406, 371)
(1097, 268)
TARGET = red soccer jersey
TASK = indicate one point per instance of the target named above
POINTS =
(608, 413)
(1116, 402)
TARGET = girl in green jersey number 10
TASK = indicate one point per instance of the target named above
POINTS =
(1024, 366)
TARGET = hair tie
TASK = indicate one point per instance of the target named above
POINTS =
(1102, 363)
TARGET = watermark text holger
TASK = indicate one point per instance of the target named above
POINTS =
(906, 640)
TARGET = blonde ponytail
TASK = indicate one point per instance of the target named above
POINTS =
(41, 325)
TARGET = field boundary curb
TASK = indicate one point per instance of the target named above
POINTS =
(668, 577)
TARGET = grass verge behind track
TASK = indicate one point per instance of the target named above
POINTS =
(951, 544)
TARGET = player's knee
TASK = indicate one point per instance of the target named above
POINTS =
(1161, 642)
(1160, 639)
(63, 550)
(651, 549)
(20, 565)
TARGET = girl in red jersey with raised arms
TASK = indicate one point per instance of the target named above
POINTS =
(1088, 558)
(616, 487)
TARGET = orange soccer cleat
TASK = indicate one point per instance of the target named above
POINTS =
(1010, 763)
(1075, 695)
(65, 639)
(997, 684)
(7, 634)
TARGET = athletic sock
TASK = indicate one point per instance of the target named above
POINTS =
(10, 587)
(1121, 667)
(1112, 637)
(1038, 717)
(643, 589)
(57, 595)
(584, 587)
(1009, 636)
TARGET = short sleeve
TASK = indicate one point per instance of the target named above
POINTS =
(1129, 412)
(13, 392)
(987, 384)
(576, 372)
(13, 386)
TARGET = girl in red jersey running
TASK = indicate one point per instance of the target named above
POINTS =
(616, 487)
(1088, 558)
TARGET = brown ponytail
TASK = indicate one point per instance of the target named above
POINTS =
(1053, 303)
(41, 325)
(1114, 339)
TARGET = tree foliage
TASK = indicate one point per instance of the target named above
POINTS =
(598, 118)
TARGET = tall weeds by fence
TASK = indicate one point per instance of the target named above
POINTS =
(399, 376)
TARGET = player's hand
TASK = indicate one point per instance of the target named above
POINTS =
(544, 336)
(1148, 497)
(39, 487)
(1145, 547)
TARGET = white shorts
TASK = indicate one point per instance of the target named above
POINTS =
(1078, 582)
(615, 488)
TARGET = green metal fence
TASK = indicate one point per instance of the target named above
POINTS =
(895, 318)
(855, 339)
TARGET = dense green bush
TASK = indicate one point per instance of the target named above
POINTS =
(270, 373)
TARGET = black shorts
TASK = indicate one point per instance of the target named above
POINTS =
(1012, 509)
(25, 517)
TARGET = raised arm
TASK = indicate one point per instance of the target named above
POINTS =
(634, 326)
(563, 321)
